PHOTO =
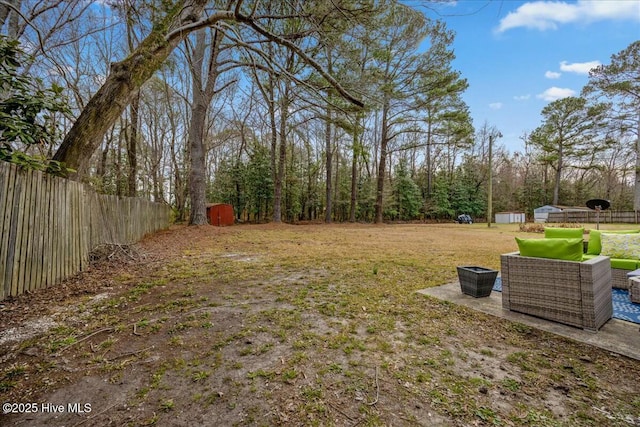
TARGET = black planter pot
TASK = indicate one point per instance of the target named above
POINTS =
(476, 281)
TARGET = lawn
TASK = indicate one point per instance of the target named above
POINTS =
(298, 325)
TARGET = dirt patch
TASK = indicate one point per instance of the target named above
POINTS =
(295, 325)
(29, 329)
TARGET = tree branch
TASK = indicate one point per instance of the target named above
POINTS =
(182, 32)
(296, 49)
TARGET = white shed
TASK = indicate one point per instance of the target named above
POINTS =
(510, 217)
(542, 213)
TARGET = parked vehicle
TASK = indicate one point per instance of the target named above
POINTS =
(464, 219)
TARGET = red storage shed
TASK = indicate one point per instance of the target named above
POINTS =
(220, 214)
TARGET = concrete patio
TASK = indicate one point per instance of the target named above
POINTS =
(617, 336)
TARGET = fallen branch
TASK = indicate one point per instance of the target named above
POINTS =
(377, 390)
(131, 353)
(63, 349)
(109, 251)
(344, 414)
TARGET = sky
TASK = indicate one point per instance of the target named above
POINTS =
(518, 56)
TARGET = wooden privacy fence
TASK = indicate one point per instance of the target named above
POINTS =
(608, 216)
(49, 225)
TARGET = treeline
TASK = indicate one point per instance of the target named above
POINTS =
(348, 111)
(521, 182)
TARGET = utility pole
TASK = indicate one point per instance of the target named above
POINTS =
(490, 189)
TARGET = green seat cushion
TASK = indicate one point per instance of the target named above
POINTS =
(595, 245)
(624, 264)
(563, 233)
(557, 248)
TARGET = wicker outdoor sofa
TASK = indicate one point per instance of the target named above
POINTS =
(570, 292)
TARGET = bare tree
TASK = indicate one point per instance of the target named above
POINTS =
(179, 19)
(125, 79)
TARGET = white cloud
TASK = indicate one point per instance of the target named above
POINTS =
(579, 67)
(522, 97)
(495, 105)
(547, 15)
(552, 75)
(555, 93)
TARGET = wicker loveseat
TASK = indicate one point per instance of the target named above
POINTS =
(570, 292)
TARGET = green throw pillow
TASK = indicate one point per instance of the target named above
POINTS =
(595, 245)
(557, 248)
(626, 246)
(563, 233)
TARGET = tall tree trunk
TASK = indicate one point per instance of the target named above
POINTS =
(282, 157)
(197, 188)
(132, 140)
(357, 148)
(282, 153)
(329, 160)
(309, 204)
(132, 144)
(354, 172)
(178, 184)
(271, 104)
(382, 166)
(118, 167)
(101, 170)
(337, 214)
(429, 162)
(157, 195)
(328, 147)
(556, 187)
(203, 92)
(559, 167)
(274, 147)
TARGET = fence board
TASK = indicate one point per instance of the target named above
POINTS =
(15, 239)
(31, 264)
(46, 231)
(7, 175)
(49, 226)
(53, 233)
(59, 237)
(4, 190)
(34, 242)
